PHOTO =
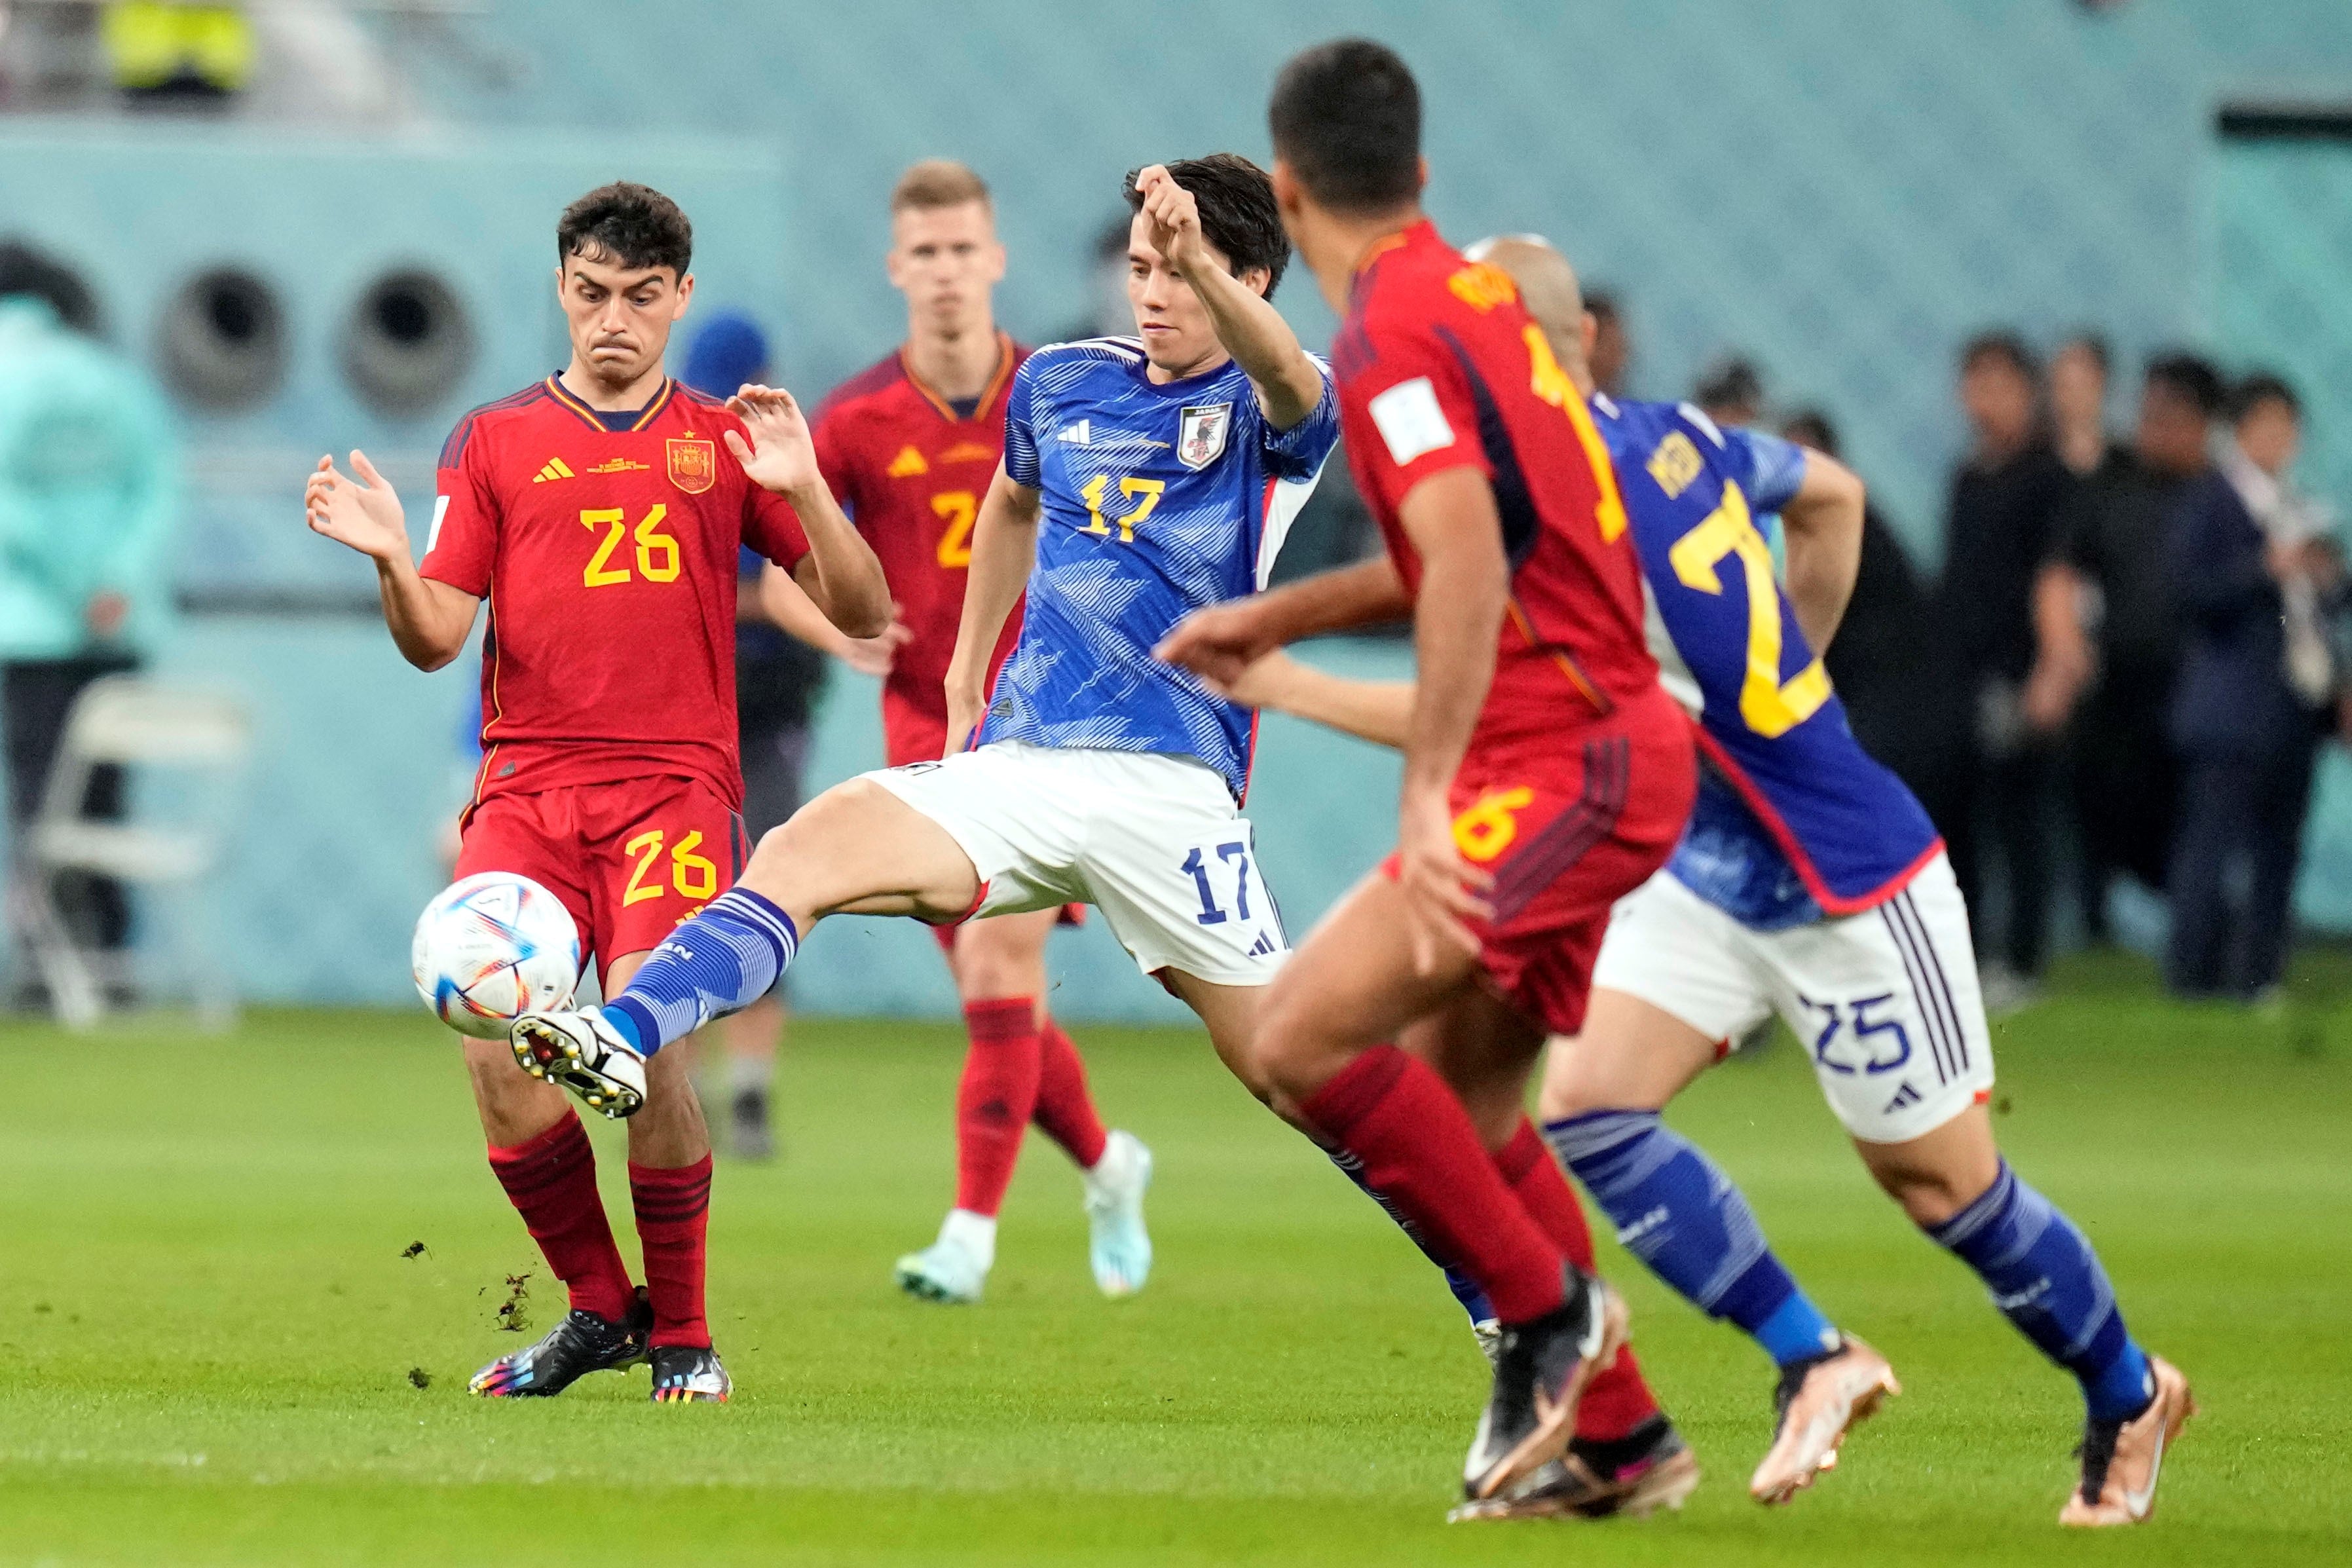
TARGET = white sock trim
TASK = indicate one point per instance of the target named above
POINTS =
(976, 1232)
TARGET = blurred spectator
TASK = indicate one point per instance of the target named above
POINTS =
(777, 678)
(2251, 562)
(1108, 313)
(1730, 391)
(2078, 404)
(2006, 499)
(2110, 626)
(1894, 683)
(1612, 351)
(89, 494)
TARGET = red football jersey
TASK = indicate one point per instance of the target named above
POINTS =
(607, 546)
(911, 473)
(1438, 367)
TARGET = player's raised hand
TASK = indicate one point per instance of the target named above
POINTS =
(875, 655)
(1441, 889)
(361, 513)
(1219, 642)
(1175, 220)
(781, 454)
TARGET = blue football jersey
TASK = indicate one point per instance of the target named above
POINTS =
(1158, 498)
(1793, 819)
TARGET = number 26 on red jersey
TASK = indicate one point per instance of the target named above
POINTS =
(657, 553)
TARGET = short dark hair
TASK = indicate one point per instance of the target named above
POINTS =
(1346, 117)
(2005, 346)
(24, 270)
(1812, 428)
(2093, 342)
(1600, 304)
(1237, 210)
(2190, 377)
(2262, 387)
(1732, 382)
(633, 224)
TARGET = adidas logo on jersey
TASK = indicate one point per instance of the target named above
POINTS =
(556, 470)
(1079, 435)
(1904, 1096)
(907, 464)
(1263, 948)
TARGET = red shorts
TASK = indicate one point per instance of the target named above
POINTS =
(630, 859)
(1566, 833)
(911, 735)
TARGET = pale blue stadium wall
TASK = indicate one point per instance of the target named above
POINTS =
(1843, 187)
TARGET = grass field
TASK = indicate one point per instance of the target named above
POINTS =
(214, 1344)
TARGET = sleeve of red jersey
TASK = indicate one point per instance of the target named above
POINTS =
(461, 541)
(1416, 399)
(836, 455)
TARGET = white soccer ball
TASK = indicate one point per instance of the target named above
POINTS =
(492, 947)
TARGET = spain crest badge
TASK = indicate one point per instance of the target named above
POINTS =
(693, 464)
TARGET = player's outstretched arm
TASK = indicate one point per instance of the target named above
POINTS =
(1379, 711)
(1457, 617)
(1003, 552)
(786, 603)
(1289, 384)
(429, 620)
(1218, 642)
(840, 572)
(1823, 523)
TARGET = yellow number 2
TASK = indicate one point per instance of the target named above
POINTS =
(650, 843)
(959, 508)
(1770, 706)
(657, 557)
(1130, 487)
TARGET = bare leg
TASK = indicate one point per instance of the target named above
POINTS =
(859, 849)
(1631, 1056)
(1938, 1175)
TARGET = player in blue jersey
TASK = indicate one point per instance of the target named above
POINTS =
(1809, 882)
(1143, 478)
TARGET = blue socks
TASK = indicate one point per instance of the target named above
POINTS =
(720, 962)
(2047, 1282)
(1465, 1290)
(1680, 1215)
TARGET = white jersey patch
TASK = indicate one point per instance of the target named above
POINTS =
(433, 535)
(1409, 421)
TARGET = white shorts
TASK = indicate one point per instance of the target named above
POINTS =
(1151, 840)
(1885, 1001)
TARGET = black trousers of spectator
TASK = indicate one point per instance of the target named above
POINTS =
(35, 696)
(2236, 812)
(2001, 802)
(2125, 788)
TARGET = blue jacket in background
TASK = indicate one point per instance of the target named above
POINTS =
(2233, 697)
(88, 490)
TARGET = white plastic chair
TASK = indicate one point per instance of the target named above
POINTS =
(202, 736)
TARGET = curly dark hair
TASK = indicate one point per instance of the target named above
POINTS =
(1237, 210)
(633, 224)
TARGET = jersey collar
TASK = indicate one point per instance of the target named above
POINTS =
(997, 379)
(612, 424)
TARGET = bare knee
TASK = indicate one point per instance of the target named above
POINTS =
(669, 1131)
(515, 1107)
(1937, 1175)
(1001, 957)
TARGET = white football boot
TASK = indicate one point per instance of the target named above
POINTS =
(585, 1055)
(954, 1269)
(1118, 1246)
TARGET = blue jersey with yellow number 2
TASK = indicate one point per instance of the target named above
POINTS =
(1158, 498)
(1793, 819)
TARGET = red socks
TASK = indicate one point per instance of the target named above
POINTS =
(995, 1098)
(1617, 1400)
(551, 1182)
(1420, 1151)
(673, 1208)
(1066, 1111)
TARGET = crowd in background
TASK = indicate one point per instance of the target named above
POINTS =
(2126, 664)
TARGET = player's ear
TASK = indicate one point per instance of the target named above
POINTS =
(1257, 280)
(1420, 181)
(684, 296)
(1588, 333)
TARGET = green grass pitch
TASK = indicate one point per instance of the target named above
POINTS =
(213, 1340)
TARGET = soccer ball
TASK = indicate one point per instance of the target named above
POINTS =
(492, 947)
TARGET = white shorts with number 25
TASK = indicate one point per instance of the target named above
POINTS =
(1885, 1002)
(1153, 841)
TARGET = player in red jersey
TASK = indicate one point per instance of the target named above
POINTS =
(1547, 772)
(910, 446)
(600, 512)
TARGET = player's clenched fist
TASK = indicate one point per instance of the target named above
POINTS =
(780, 455)
(1175, 219)
(363, 514)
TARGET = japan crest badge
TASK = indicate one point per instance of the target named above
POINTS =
(1201, 433)
(693, 465)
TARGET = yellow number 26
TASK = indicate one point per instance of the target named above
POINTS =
(658, 558)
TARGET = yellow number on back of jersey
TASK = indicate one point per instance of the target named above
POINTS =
(1769, 706)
